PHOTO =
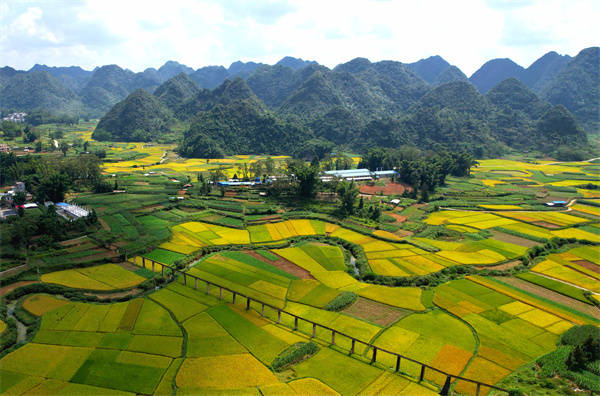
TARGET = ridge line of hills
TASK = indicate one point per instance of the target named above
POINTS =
(558, 79)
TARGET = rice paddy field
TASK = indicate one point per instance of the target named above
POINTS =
(189, 339)
(101, 277)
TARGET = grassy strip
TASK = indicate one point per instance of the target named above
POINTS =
(553, 285)
(341, 301)
(294, 354)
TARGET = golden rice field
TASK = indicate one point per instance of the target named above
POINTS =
(101, 277)
(579, 266)
(545, 225)
(384, 258)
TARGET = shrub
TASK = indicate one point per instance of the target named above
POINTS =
(294, 354)
(579, 334)
(341, 301)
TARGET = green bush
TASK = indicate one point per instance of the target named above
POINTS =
(578, 334)
(294, 354)
(341, 301)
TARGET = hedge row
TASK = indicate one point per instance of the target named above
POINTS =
(294, 354)
(341, 301)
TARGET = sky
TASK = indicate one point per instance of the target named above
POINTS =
(141, 34)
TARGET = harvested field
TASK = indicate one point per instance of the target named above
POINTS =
(104, 224)
(552, 296)
(128, 266)
(545, 224)
(375, 312)
(399, 218)
(388, 189)
(504, 237)
(589, 265)
(285, 265)
(75, 241)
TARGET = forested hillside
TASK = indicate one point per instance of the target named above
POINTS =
(356, 104)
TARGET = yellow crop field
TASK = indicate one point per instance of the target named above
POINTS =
(576, 233)
(402, 297)
(39, 304)
(517, 295)
(302, 227)
(223, 372)
(480, 257)
(386, 268)
(491, 182)
(558, 268)
(376, 246)
(586, 209)
(484, 371)
(539, 318)
(559, 327)
(101, 277)
(386, 234)
(311, 386)
(178, 247)
(301, 258)
(516, 308)
(334, 279)
(389, 254)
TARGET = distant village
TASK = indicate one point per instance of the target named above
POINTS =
(15, 117)
(8, 207)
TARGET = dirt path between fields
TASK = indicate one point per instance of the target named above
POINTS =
(104, 296)
(500, 267)
(7, 289)
(551, 295)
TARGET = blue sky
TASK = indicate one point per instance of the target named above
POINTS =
(139, 34)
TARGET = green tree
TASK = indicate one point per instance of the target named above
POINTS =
(306, 177)
(348, 192)
(64, 147)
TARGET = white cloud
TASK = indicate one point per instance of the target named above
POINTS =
(137, 34)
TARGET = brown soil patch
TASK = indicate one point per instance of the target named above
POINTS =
(128, 266)
(104, 224)
(501, 236)
(551, 295)
(230, 193)
(283, 264)
(149, 208)
(588, 265)
(138, 183)
(375, 312)
(399, 218)
(189, 209)
(75, 241)
(545, 224)
(388, 189)
(7, 289)
(114, 295)
(500, 267)
(101, 255)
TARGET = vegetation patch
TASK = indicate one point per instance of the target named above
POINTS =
(341, 301)
(293, 355)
